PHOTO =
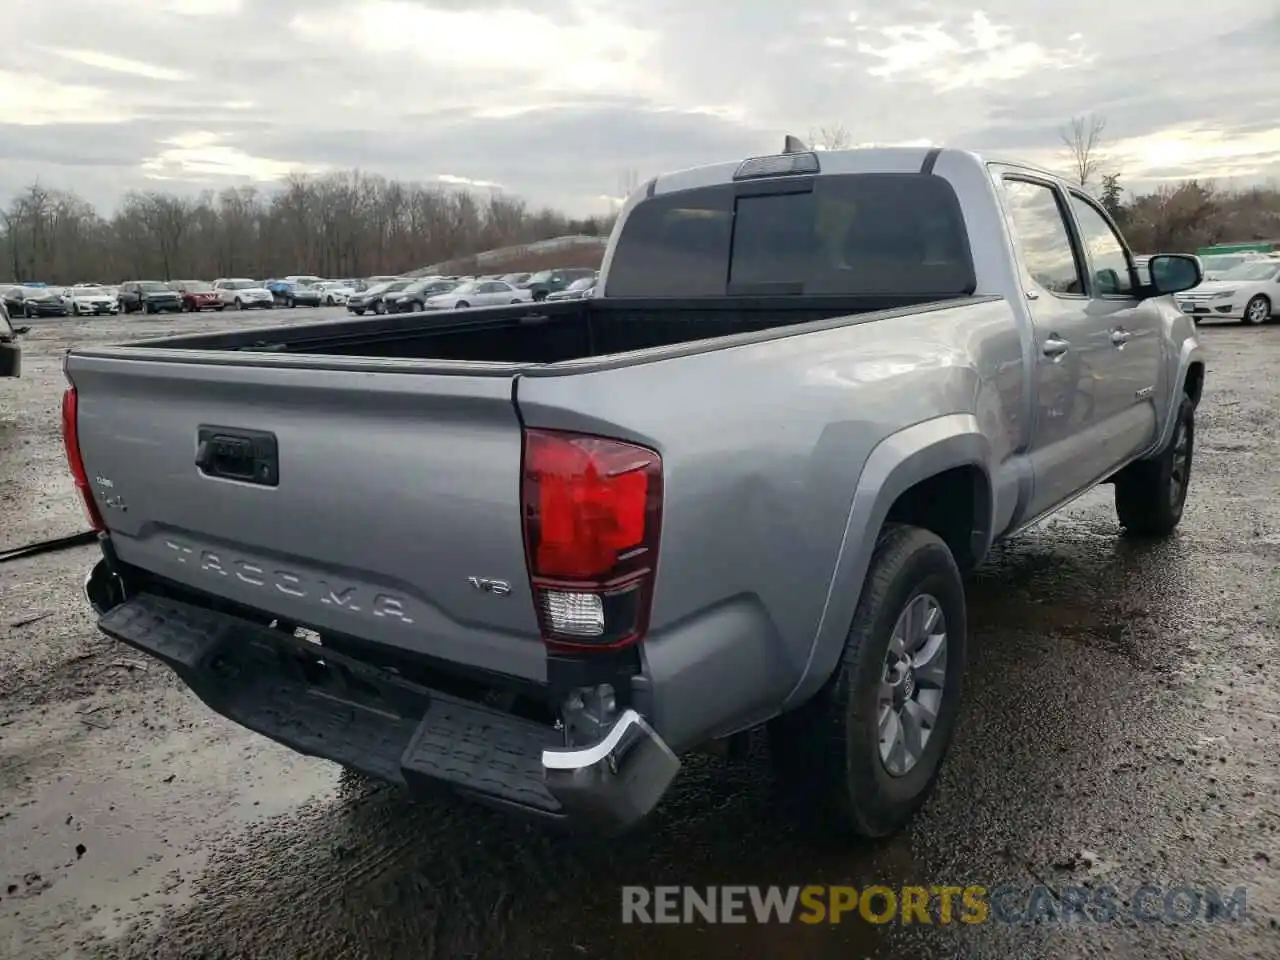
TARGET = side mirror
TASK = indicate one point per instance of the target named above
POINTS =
(1174, 272)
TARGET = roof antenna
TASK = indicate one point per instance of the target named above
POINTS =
(794, 145)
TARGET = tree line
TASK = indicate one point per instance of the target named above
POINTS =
(357, 224)
(338, 225)
(1175, 218)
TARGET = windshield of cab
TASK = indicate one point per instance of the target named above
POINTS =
(87, 292)
(153, 286)
(1257, 270)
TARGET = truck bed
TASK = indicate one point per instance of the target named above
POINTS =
(542, 333)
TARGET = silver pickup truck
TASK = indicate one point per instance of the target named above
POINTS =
(534, 554)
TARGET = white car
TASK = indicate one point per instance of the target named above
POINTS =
(243, 293)
(335, 292)
(1249, 292)
(478, 293)
(92, 301)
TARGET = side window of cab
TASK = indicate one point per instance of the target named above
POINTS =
(1110, 266)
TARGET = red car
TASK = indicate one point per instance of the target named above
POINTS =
(198, 295)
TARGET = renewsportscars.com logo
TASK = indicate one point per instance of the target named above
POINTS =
(972, 904)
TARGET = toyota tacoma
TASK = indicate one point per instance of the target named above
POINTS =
(535, 554)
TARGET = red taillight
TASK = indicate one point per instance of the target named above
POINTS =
(71, 441)
(592, 512)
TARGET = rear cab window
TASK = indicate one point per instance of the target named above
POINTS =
(835, 234)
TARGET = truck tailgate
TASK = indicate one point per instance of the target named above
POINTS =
(387, 492)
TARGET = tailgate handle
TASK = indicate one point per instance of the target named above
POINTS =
(250, 456)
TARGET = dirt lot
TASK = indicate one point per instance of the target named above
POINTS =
(1122, 726)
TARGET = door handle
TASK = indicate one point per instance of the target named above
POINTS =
(1055, 347)
(1120, 337)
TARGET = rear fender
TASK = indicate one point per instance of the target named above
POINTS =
(895, 465)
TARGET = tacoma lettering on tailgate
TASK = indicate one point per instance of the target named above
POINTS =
(343, 596)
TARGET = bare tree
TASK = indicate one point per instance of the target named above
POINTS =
(835, 137)
(1083, 138)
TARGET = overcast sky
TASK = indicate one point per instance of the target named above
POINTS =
(561, 101)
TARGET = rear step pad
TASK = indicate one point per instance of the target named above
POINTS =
(329, 705)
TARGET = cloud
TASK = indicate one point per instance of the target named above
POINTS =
(114, 64)
(565, 101)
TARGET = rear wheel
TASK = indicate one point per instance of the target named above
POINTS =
(239, 304)
(1150, 494)
(379, 307)
(148, 308)
(1257, 310)
(461, 304)
(862, 756)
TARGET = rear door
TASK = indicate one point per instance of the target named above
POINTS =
(353, 496)
(1073, 349)
(1131, 370)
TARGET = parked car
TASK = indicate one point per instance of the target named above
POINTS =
(373, 299)
(477, 293)
(1249, 293)
(148, 296)
(547, 282)
(198, 295)
(10, 349)
(92, 301)
(243, 293)
(45, 302)
(415, 295)
(574, 291)
(295, 293)
(532, 557)
(335, 293)
(15, 297)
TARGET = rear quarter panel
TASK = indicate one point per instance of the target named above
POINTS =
(763, 448)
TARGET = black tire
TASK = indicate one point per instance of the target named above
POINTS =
(515, 302)
(220, 307)
(358, 313)
(826, 754)
(291, 303)
(1257, 310)
(461, 305)
(1148, 502)
(379, 307)
(539, 296)
(75, 309)
(147, 308)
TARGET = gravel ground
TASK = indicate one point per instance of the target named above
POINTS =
(1122, 726)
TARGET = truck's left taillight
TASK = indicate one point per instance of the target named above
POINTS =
(71, 440)
(592, 511)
